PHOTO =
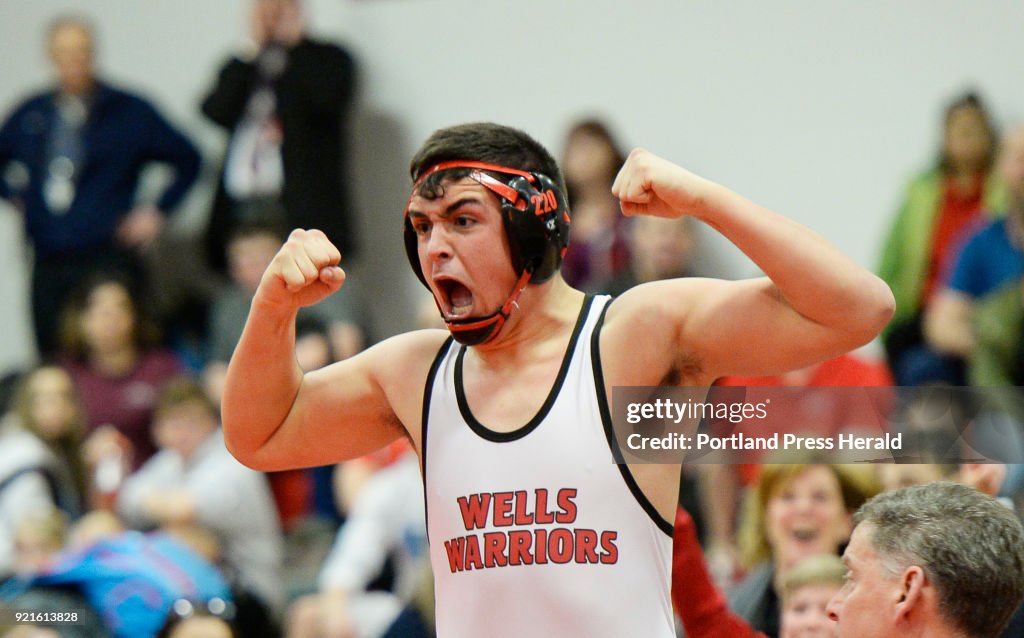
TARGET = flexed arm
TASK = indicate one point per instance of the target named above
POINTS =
(814, 302)
(274, 415)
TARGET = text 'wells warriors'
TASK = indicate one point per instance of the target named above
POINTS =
(517, 537)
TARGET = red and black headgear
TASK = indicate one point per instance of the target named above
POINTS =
(535, 212)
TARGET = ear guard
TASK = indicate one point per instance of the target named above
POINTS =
(535, 213)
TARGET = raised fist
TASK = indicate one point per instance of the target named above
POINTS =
(304, 271)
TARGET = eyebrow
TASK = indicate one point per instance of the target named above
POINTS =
(452, 208)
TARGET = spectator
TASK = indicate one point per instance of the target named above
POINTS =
(721, 486)
(112, 352)
(990, 259)
(193, 479)
(250, 249)
(38, 538)
(73, 157)
(329, 332)
(26, 485)
(939, 205)
(599, 247)
(698, 603)
(795, 511)
(47, 405)
(129, 579)
(938, 560)
(658, 249)
(806, 591)
(285, 102)
(386, 519)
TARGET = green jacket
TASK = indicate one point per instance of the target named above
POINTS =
(909, 243)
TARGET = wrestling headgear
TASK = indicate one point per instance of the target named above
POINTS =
(535, 213)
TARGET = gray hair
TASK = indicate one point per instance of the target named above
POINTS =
(968, 544)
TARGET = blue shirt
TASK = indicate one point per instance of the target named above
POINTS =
(122, 135)
(988, 260)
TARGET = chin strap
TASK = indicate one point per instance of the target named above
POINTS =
(474, 332)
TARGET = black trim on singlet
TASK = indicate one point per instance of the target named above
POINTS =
(503, 437)
(428, 390)
(606, 421)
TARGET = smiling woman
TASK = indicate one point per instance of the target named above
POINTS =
(795, 511)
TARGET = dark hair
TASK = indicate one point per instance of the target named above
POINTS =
(9, 384)
(969, 545)
(968, 100)
(597, 128)
(252, 228)
(72, 340)
(480, 142)
(307, 325)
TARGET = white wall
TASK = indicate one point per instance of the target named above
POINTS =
(819, 109)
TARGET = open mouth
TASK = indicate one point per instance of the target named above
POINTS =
(805, 535)
(456, 298)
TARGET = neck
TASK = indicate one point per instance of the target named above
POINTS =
(543, 312)
(936, 628)
(965, 178)
(80, 91)
(189, 454)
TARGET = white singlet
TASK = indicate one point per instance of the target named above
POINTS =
(537, 532)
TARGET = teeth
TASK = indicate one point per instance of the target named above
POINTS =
(460, 299)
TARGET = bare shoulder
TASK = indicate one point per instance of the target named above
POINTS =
(398, 358)
(643, 339)
(400, 366)
(655, 297)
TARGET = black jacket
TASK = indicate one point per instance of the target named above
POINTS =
(314, 95)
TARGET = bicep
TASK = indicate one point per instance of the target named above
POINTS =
(340, 412)
(709, 328)
(748, 328)
(356, 406)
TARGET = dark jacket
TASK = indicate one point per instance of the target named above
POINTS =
(123, 133)
(314, 93)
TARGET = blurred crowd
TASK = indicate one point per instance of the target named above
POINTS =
(119, 499)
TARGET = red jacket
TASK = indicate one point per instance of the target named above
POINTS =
(700, 605)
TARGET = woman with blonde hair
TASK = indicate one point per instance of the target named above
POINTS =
(800, 507)
(47, 404)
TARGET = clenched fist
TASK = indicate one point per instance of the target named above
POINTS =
(304, 271)
(650, 185)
